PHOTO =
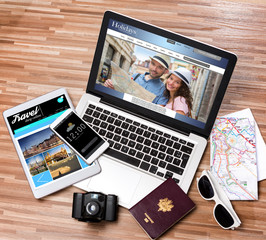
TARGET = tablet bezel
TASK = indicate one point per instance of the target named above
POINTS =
(59, 183)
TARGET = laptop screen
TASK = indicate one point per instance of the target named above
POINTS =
(174, 78)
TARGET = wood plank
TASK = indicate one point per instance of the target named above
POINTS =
(48, 44)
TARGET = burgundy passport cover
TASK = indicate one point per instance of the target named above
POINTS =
(162, 208)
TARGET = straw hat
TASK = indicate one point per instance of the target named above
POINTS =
(184, 74)
(162, 59)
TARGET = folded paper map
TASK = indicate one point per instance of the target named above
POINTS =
(233, 157)
(122, 82)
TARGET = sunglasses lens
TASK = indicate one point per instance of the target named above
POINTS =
(223, 216)
(205, 187)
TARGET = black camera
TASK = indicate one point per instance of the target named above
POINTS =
(94, 207)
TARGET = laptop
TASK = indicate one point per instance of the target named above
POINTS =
(150, 142)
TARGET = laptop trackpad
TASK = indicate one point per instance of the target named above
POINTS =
(115, 179)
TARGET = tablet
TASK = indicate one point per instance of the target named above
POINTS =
(49, 164)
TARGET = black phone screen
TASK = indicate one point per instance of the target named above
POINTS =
(79, 135)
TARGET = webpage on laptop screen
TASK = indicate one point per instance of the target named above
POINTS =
(46, 156)
(129, 70)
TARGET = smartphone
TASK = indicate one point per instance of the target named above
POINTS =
(79, 136)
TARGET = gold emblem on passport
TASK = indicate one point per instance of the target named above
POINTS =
(165, 205)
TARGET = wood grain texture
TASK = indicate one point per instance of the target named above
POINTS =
(47, 44)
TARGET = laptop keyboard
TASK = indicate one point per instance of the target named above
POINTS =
(139, 145)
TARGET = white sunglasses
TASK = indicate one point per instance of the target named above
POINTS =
(223, 211)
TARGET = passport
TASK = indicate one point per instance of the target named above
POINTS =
(162, 208)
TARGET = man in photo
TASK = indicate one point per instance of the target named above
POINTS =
(151, 80)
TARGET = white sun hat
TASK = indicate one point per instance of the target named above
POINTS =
(184, 74)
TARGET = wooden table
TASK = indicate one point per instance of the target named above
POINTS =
(47, 44)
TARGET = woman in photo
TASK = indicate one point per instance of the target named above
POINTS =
(177, 95)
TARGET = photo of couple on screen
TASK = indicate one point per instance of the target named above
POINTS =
(156, 80)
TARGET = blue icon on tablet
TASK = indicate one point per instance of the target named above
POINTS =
(61, 99)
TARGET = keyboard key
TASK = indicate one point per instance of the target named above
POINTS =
(133, 136)
(147, 142)
(174, 138)
(110, 120)
(146, 149)
(109, 135)
(102, 132)
(125, 125)
(170, 151)
(89, 111)
(124, 149)
(147, 134)
(139, 131)
(177, 154)
(132, 128)
(185, 158)
(147, 158)
(121, 118)
(162, 148)
(144, 126)
(182, 141)
(155, 145)
(169, 143)
(190, 144)
(151, 129)
(162, 140)
(139, 155)
(106, 112)
(124, 141)
(168, 175)
(111, 128)
(116, 138)
(87, 118)
(132, 152)
(169, 159)
(117, 122)
(131, 144)
(96, 114)
(154, 161)
(176, 180)
(159, 132)
(162, 164)
(161, 155)
(125, 133)
(176, 162)
(103, 117)
(117, 146)
(129, 120)
(166, 135)
(140, 139)
(136, 123)
(99, 109)
(144, 166)
(154, 152)
(174, 169)
(139, 146)
(96, 122)
(92, 106)
(154, 137)
(103, 125)
(160, 174)
(177, 146)
(118, 130)
(153, 169)
(186, 149)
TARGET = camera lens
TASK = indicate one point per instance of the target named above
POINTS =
(92, 208)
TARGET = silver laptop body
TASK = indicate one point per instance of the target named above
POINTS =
(138, 128)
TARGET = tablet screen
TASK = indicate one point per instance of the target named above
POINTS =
(46, 156)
